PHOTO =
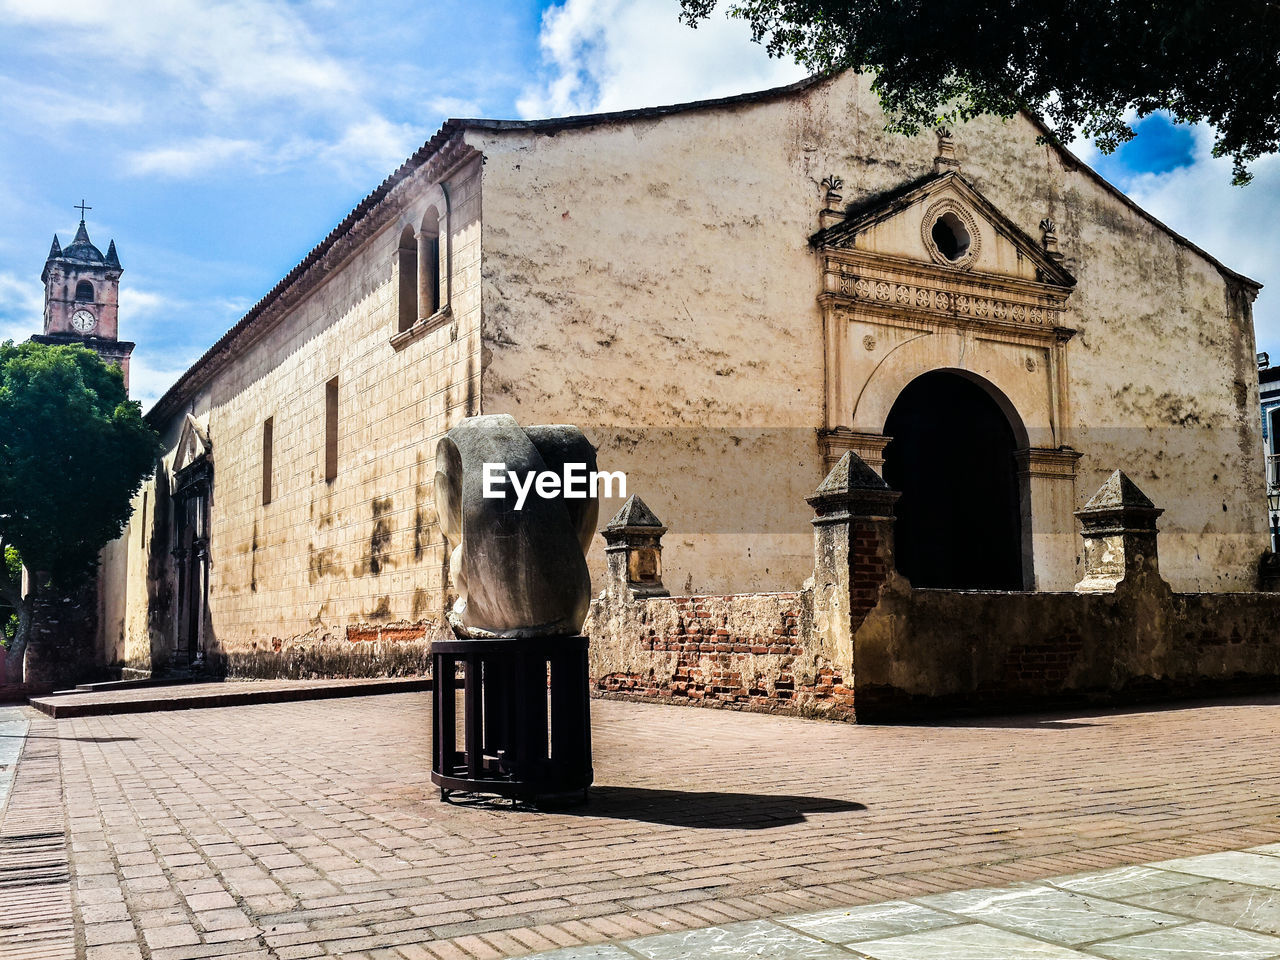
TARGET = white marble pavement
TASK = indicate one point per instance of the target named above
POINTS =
(1223, 906)
(13, 733)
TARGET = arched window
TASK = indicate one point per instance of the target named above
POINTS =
(407, 272)
(429, 298)
(84, 292)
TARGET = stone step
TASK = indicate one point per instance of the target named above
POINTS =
(199, 695)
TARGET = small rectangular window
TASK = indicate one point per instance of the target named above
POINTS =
(331, 430)
(267, 429)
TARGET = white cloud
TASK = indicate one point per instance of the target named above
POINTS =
(1238, 225)
(375, 142)
(223, 52)
(135, 303)
(236, 85)
(21, 307)
(36, 101)
(152, 373)
(191, 159)
(620, 54)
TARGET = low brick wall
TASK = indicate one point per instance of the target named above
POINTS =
(363, 650)
(741, 652)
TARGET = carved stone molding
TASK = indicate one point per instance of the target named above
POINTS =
(882, 288)
(836, 441)
(1057, 463)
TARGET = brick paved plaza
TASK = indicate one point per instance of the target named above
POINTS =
(312, 829)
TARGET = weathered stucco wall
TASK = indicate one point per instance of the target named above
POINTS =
(124, 639)
(651, 280)
(341, 576)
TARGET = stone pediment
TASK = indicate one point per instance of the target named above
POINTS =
(936, 251)
(944, 222)
(193, 445)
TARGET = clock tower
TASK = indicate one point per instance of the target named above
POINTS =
(81, 305)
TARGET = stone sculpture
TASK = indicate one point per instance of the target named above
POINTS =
(518, 572)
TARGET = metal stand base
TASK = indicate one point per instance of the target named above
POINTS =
(526, 718)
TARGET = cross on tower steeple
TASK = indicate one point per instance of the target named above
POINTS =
(82, 208)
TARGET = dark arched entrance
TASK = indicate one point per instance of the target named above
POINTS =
(951, 454)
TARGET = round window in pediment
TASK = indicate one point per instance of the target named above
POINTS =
(951, 236)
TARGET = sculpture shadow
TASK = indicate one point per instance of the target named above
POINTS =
(78, 740)
(1015, 723)
(705, 810)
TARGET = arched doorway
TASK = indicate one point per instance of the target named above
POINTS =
(951, 454)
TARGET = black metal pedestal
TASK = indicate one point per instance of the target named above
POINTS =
(525, 729)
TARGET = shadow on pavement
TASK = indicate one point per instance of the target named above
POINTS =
(705, 810)
(80, 740)
(1017, 723)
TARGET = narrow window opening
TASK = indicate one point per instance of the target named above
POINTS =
(407, 272)
(267, 430)
(950, 235)
(331, 430)
(429, 264)
(84, 292)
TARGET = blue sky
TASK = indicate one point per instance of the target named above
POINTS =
(217, 142)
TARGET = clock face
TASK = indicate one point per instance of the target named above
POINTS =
(82, 321)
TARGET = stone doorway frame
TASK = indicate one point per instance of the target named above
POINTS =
(888, 319)
(192, 492)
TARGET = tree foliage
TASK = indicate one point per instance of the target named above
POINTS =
(1080, 65)
(73, 452)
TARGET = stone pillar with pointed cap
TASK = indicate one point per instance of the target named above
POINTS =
(633, 551)
(1119, 529)
(852, 551)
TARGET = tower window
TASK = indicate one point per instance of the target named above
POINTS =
(84, 292)
(407, 272)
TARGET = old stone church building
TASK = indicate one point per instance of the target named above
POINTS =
(726, 296)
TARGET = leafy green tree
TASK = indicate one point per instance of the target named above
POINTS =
(74, 450)
(1079, 65)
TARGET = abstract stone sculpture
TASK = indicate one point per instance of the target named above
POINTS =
(518, 572)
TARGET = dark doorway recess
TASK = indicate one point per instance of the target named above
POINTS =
(952, 457)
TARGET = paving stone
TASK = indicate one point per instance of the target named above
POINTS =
(1194, 941)
(969, 942)
(845, 925)
(596, 952)
(1123, 881)
(1238, 865)
(1221, 901)
(1058, 915)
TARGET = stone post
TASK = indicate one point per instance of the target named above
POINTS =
(1119, 529)
(852, 551)
(633, 549)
